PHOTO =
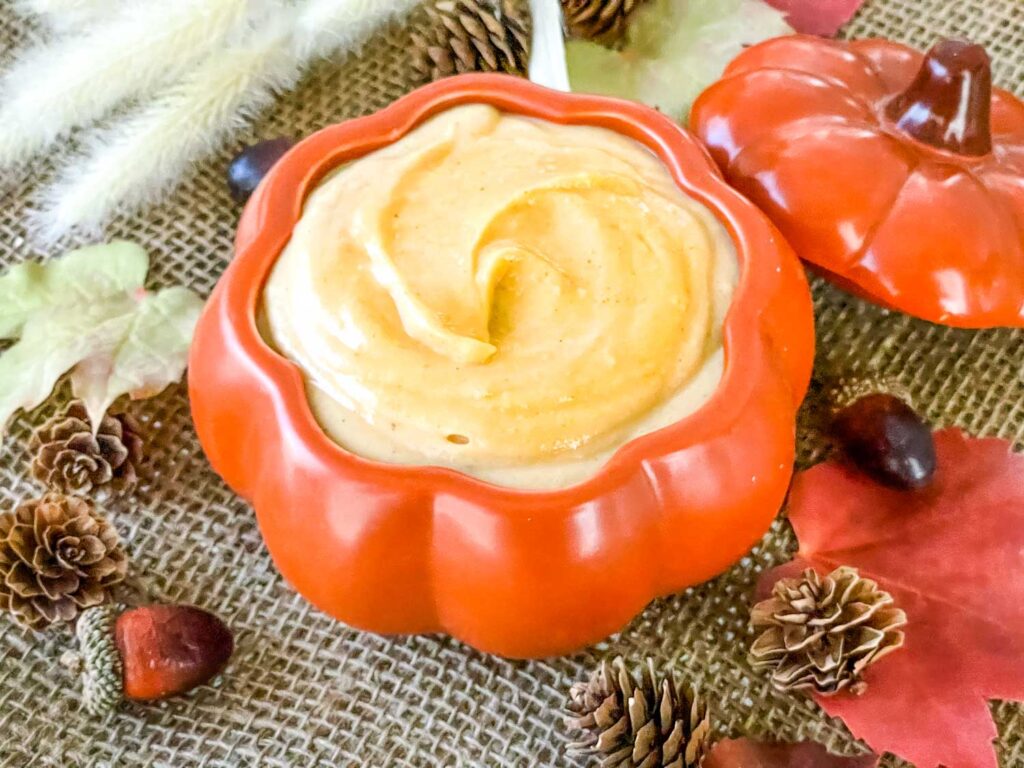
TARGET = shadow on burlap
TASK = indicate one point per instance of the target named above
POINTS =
(303, 690)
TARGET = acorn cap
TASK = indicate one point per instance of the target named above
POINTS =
(844, 390)
(102, 673)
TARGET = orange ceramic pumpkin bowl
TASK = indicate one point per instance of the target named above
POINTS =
(398, 549)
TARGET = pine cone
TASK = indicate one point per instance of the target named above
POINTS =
(70, 459)
(473, 36)
(822, 633)
(603, 21)
(58, 555)
(656, 724)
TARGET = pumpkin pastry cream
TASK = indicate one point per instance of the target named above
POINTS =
(505, 296)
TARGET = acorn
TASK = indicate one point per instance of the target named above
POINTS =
(885, 438)
(147, 653)
(249, 166)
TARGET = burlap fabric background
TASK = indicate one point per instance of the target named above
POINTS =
(304, 690)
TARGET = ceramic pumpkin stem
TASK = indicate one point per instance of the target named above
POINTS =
(948, 104)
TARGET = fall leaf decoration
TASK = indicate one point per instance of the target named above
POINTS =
(71, 459)
(58, 556)
(817, 17)
(748, 753)
(656, 723)
(87, 312)
(473, 36)
(672, 50)
(950, 555)
(821, 633)
(602, 21)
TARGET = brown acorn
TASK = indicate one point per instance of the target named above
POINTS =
(886, 439)
(148, 653)
(248, 167)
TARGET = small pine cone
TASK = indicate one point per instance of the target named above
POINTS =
(603, 21)
(70, 459)
(822, 633)
(656, 724)
(58, 555)
(473, 36)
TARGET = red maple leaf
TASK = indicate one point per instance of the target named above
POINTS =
(748, 753)
(817, 17)
(952, 556)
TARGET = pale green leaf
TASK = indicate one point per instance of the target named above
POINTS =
(151, 354)
(596, 69)
(54, 341)
(82, 276)
(87, 312)
(674, 49)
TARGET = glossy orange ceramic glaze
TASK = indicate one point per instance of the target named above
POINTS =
(398, 549)
(900, 176)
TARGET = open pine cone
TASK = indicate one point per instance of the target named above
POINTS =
(654, 724)
(473, 36)
(58, 555)
(70, 459)
(602, 21)
(822, 633)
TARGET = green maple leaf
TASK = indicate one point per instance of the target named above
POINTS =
(80, 276)
(87, 312)
(673, 50)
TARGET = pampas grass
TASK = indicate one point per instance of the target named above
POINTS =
(140, 158)
(57, 7)
(190, 110)
(49, 92)
(68, 14)
(325, 26)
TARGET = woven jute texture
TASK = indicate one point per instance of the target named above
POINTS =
(303, 690)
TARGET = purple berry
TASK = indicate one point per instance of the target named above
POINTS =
(250, 165)
(887, 440)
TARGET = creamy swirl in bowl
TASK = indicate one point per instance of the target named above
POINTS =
(502, 295)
